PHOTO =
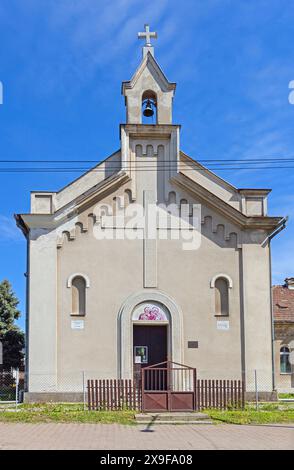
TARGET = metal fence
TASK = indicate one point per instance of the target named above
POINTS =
(11, 387)
(73, 386)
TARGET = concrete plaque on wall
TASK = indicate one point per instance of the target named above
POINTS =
(223, 325)
(77, 324)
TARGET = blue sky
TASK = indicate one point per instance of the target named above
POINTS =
(62, 63)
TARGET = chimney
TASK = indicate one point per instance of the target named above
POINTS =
(289, 282)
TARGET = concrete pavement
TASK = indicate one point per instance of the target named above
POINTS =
(115, 436)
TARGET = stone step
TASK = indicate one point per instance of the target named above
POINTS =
(172, 416)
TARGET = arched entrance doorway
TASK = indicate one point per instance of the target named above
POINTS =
(148, 317)
(151, 333)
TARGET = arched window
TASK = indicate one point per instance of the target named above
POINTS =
(78, 296)
(221, 296)
(285, 366)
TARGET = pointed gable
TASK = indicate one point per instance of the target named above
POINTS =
(148, 78)
(149, 63)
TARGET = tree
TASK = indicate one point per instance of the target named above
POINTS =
(13, 344)
(11, 336)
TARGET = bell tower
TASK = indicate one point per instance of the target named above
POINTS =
(148, 92)
(149, 138)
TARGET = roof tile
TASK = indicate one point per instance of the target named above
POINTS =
(283, 303)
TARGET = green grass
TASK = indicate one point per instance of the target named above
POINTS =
(267, 414)
(286, 395)
(74, 413)
(64, 413)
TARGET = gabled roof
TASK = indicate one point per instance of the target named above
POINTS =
(149, 61)
(203, 168)
(221, 206)
(84, 197)
(222, 181)
(71, 183)
(84, 200)
(283, 304)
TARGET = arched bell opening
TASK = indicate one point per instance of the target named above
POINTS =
(149, 107)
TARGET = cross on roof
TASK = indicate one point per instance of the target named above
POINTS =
(147, 34)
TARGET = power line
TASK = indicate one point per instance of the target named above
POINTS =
(155, 165)
(140, 165)
(71, 170)
(150, 166)
(221, 160)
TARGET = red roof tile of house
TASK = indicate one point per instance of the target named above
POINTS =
(283, 303)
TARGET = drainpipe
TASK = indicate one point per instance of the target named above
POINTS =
(278, 229)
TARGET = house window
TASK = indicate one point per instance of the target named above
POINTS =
(78, 292)
(285, 366)
(221, 297)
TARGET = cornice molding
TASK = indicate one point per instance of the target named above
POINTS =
(75, 207)
(229, 212)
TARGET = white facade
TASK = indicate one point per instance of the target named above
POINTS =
(72, 239)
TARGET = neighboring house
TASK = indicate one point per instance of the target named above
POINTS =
(104, 294)
(283, 306)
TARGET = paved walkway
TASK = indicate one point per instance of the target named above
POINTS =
(115, 436)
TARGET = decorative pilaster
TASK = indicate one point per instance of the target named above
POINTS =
(149, 243)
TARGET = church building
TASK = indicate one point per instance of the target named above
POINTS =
(147, 256)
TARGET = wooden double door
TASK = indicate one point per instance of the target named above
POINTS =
(150, 347)
(153, 340)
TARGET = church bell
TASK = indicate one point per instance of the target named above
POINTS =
(148, 111)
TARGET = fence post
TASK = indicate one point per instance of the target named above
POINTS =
(256, 390)
(16, 387)
(84, 392)
(195, 389)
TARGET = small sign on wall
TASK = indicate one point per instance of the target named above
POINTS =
(77, 324)
(192, 344)
(223, 325)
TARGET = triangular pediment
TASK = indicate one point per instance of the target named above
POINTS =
(196, 180)
(155, 71)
